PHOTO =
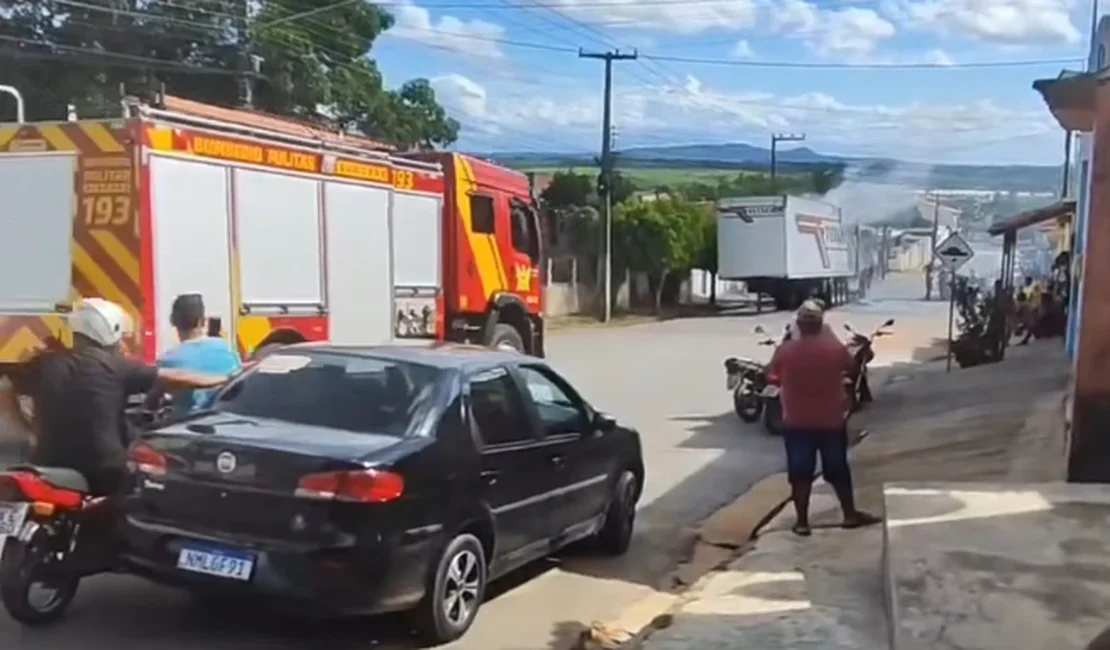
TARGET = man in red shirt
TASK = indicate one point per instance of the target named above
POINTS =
(810, 368)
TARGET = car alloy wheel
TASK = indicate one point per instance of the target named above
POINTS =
(615, 535)
(462, 588)
(455, 592)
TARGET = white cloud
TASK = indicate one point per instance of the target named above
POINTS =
(852, 31)
(938, 57)
(1009, 22)
(743, 50)
(694, 112)
(474, 37)
(677, 17)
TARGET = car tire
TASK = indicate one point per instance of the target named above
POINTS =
(455, 592)
(506, 336)
(615, 535)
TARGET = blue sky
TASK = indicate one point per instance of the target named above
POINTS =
(508, 71)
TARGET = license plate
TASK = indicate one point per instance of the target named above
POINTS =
(770, 391)
(732, 382)
(222, 563)
(11, 518)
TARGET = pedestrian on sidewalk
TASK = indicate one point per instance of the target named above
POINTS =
(810, 369)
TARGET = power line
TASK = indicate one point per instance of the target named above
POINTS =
(861, 66)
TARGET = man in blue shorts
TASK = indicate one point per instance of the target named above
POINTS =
(198, 352)
(810, 368)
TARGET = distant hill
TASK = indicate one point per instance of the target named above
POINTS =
(745, 157)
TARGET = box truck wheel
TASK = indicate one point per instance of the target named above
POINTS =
(506, 336)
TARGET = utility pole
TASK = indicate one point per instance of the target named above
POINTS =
(605, 180)
(776, 138)
(1068, 138)
(932, 248)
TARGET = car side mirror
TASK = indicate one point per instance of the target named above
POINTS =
(604, 422)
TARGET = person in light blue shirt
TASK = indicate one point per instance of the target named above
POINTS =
(198, 352)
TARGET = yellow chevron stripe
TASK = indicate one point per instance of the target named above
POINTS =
(19, 345)
(118, 252)
(251, 331)
(7, 133)
(84, 264)
(161, 138)
(57, 138)
(101, 137)
(483, 247)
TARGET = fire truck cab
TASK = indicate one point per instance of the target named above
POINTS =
(291, 233)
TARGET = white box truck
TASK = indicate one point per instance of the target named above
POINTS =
(787, 247)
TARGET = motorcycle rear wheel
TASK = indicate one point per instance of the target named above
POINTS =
(21, 574)
(747, 404)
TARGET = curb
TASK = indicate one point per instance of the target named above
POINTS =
(720, 538)
(723, 536)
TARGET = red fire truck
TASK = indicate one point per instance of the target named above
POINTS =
(291, 233)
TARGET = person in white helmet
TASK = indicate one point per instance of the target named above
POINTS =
(79, 395)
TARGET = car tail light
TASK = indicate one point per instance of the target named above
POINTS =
(366, 486)
(28, 486)
(147, 460)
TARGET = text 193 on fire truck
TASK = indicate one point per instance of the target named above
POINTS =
(290, 233)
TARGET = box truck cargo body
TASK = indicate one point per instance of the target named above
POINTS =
(787, 247)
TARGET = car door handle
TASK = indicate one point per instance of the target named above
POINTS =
(490, 476)
(557, 460)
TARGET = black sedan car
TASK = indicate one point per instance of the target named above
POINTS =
(361, 480)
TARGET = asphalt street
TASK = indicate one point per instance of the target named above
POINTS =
(664, 378)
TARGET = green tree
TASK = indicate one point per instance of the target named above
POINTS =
(81, 52)
(824, 178)
(706, 258)
(569, 189)
(658, 238)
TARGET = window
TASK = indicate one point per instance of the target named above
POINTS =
(481, 214)
(560, 412)
(498, 409)
(353, 393)
(525, 237)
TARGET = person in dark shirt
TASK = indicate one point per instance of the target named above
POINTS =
(80, 395)
(810, 369)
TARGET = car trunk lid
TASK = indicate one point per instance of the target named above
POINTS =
(235, 475)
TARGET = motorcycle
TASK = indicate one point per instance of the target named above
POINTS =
(753, 395)
(746, 379)
(861, 346)
(54, 533)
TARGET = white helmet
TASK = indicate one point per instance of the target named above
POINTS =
(102, 321)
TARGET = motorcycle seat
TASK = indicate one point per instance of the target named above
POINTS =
(62, 478)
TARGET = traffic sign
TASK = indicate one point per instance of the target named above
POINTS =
(954, 252)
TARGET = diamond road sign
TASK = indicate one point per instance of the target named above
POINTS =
(954, 252)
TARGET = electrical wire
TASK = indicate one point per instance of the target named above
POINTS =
(601, 37)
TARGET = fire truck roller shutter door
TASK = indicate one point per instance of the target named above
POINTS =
(192, 241)
(417, 262)
(277, 220)
(360, 272)
(36, 219)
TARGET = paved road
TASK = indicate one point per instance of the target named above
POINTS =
(664, 378)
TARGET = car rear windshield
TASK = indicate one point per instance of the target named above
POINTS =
(349, 392)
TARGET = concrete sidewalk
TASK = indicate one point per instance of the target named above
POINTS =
(1001, 423)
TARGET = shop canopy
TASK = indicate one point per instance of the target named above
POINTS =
(1016, 222)
(1071, 98)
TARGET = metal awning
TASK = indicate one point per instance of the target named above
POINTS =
(1071, 98)
(1016, 222)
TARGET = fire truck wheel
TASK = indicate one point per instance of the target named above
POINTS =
(506, 336)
